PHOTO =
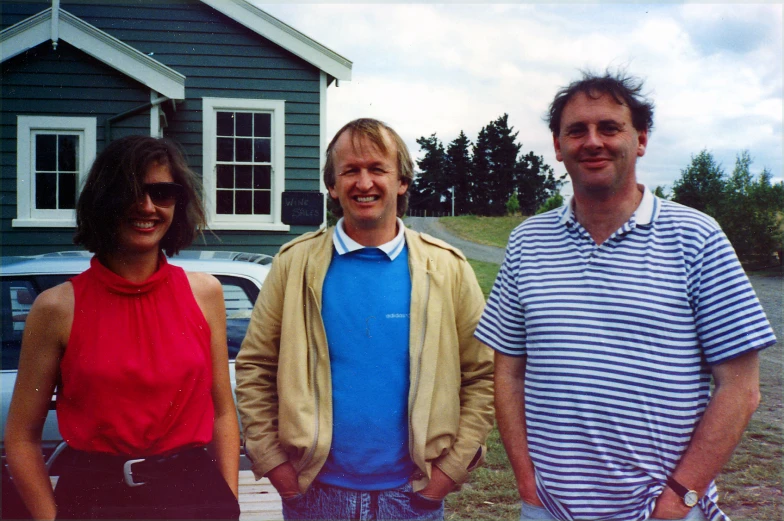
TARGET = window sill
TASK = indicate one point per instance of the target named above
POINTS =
(260, 227)
(43, 223)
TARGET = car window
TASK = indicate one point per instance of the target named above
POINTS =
(17, 299)
(18, 296)
(239, 295)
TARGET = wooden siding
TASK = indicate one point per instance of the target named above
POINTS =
(219, 57)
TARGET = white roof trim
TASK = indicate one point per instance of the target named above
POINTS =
(36, 30)
(284, 35)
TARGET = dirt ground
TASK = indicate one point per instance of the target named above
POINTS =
(770, 290)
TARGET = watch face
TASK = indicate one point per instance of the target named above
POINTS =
(690, 498)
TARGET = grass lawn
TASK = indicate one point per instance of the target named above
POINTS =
(491, 231)
(750, 486)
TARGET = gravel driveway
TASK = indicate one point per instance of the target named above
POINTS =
(769, 288)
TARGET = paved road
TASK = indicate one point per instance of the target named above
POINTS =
(472, 250)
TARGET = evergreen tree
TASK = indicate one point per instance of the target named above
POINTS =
(458, 161)
(431, 186)
(481, 168)
(535, 182)
(495, 155)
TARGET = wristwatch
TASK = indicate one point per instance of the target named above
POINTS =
(690, 497)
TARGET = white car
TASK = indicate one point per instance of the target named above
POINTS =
(22, 279)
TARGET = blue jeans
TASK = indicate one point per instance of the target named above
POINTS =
(325, 502)
(534, 513)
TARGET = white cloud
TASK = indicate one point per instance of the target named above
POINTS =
(714, 71)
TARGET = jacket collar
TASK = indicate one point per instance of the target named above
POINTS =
(345, 244)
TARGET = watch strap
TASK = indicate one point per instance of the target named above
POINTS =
(677, 487)
(682, 491)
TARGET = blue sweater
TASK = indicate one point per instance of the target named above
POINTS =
(365, 307)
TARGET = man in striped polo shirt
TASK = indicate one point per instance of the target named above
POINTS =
(609, 318)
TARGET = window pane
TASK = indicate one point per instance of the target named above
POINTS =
(46, 191)
(225, 149)
(224, 202)
(225, 176)
(67, 189)
(263, 125)
(68, 149)
(46, 153)
(225, 123)
(261, 203)
(261, 150)
(243, 149)
(244, 176)
(244, 124)
(17, 297)
(262, 176)
(243, 200)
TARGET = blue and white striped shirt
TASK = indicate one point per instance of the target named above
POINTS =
(619, 339)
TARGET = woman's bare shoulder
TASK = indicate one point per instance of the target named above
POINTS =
(204, 286)
(58, 299)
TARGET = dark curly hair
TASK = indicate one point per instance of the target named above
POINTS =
(625, 89)
(373, 130)
(115, 182)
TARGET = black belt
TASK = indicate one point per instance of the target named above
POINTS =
(136, 471)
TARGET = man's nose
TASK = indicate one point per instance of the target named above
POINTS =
(365, 180)
(593, 139)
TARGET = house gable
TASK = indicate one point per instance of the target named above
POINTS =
(60, 24)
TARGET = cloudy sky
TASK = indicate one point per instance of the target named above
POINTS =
(713, 71)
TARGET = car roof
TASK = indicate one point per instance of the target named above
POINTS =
(253, 265)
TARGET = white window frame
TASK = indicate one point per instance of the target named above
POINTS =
(210, 106)
(27, 216)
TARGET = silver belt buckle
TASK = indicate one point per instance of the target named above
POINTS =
(128, 473)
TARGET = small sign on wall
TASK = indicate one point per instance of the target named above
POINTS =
(304, 208)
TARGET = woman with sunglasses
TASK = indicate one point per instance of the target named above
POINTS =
(137, 350)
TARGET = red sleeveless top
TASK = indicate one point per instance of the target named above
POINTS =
(136, 376)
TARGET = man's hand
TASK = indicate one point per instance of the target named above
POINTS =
(439, 486)
(284, 479)
(670, 505)
(527, 490)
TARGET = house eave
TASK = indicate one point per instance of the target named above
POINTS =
(284, 35)
(35, 30)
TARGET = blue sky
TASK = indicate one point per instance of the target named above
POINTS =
(714, 71)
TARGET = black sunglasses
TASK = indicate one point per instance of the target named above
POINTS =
(163, 194)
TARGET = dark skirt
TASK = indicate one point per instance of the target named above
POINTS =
(187, 485)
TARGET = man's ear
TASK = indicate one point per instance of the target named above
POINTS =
(642, 142)
(557, 147)
(404, 184)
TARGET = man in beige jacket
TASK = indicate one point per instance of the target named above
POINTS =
(362, 392)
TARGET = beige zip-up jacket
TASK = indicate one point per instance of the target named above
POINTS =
(283, 371)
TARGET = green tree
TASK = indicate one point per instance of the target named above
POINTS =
(659, 191)
(750, 214)
(458, 170)
(748, 209)
(701, 185)
(554, 201)
(512, 204)
(495, 161)
(431, 186)
(535, 182)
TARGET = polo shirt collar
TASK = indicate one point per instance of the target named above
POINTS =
(645, 214)
(345, 244)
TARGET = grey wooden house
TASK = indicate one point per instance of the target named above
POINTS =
(241, 91)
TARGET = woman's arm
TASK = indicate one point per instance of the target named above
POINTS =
(46, 334)
(225, 445)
